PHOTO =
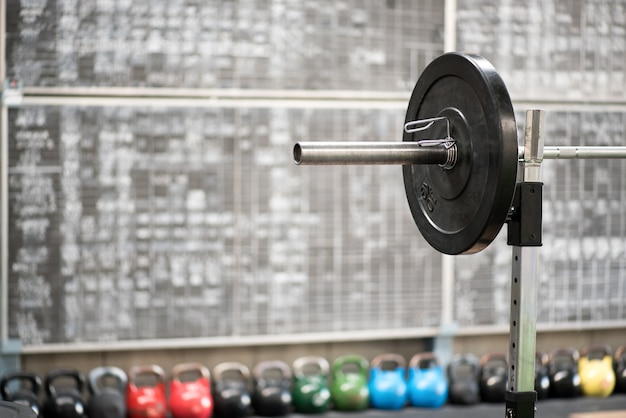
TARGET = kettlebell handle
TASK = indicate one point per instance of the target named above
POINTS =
(221, 368)
(542, 359)
(486, 358)
(261, 368)
(463, 360)
(32, 378)
(299, 364)
(95, 375)
(570, 352)
(605, 349)
(341, 361)
(75, 375)
(190, 367)
(397, 359)
(420, 357)
(146, 369)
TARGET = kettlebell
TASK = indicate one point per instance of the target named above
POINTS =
(310, 392)
(463, 376)
(15, 410)
(231, 390)
(349, 390)
(428, 387)
(620, 369)
(494, 373)
(64, 391)
(190, 391)
(597, 377)
(542, 380)
(107, 386)
(387, 384)
(563, 373)
(145, 392)
(28, 391)
(272, 389)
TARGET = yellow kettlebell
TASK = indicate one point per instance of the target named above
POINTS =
(595, 367)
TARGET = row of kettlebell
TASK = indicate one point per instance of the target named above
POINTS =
(274, 389)
(113, 393)
(593, 371)
(564, 373)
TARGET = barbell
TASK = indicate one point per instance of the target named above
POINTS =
(459, 153)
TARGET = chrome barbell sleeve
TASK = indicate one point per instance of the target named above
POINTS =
(375, 153)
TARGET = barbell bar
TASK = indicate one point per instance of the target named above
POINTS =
(459, 187)
(403, 153)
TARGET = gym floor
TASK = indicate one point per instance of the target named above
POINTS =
(549, 408)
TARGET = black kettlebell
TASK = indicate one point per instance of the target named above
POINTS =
(272, 388)
(494, 375)
(28, 391)
(542, 379)
(620, 369)
(107, 389)
(15, 410)
(463, 375)
(64, 391)
(563, 372)
(231, 390)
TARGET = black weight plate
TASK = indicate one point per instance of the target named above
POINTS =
(462, 209)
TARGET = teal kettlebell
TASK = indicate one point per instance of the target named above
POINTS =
(349, 390)
(310, 392)
(428, 387)
(387, 385)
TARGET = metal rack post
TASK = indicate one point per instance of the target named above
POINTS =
(525, 237)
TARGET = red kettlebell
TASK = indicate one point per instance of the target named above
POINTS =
(145, 392)
(190, 391)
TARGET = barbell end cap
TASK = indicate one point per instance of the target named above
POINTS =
(297, 154)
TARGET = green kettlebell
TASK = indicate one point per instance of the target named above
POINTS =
(310, 387)
(349, 390)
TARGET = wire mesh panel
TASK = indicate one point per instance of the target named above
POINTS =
(130, 223)
(585, 272)
(557, 49)
(262, 44)
(582, 273)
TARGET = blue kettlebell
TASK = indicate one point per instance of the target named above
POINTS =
(428, 387)
(388, 389)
